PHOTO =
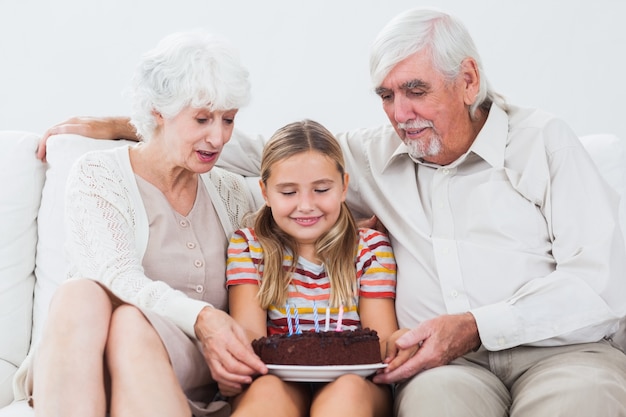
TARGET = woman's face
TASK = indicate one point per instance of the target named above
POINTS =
(194, 138)
(305, 192)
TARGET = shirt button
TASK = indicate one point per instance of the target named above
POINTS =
(191, 245)
(445, 171)
(199, 288)
(198, 263)
(183, 223)
(445, 251)
(454, 293)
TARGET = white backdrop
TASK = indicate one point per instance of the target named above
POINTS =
(307, 58)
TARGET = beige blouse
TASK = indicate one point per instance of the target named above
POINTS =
(186, 252)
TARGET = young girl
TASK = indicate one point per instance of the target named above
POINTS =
(306, 253)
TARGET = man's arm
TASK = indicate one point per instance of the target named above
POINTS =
(242, 154)
(581, 300)
(92, 127)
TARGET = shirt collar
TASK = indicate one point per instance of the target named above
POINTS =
(492, 138)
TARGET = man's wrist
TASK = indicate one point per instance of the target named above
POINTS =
(477, 343)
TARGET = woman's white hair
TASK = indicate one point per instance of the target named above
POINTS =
(192, 68)
(447, 39)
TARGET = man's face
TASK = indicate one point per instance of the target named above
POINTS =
(429, 113)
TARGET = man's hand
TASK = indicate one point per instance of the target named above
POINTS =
(227, 351)
(92, 127)
(433, 343)
(372, 223)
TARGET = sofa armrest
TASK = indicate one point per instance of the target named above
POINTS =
(21, 182)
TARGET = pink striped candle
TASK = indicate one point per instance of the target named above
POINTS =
(339, 319)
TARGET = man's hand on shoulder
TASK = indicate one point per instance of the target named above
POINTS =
(433, 343)
(92, 127)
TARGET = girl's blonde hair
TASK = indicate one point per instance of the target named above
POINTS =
(336, 248)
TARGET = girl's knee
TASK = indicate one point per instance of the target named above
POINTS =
(267, 385)
(351, 383)
(353, 395)
(287, 398)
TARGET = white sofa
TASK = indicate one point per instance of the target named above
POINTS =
(31, 234)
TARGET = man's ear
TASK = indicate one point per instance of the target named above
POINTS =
(471, 80)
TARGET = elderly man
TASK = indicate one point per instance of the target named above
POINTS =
(511, 266)
(510, 258)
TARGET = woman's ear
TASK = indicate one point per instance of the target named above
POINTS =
(158, 117)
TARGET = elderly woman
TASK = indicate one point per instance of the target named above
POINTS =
(140, 327)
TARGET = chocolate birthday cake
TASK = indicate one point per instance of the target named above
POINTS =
(358, 347)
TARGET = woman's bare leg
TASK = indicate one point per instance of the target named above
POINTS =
(270, 396)
(143, 382)
(352, 395)
(68, 368)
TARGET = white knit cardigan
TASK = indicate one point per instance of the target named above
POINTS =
(107, 230)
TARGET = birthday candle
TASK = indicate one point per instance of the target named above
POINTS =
(327, 325)
(298, 330)
(339, 318)
(288, 310)
(315, 318)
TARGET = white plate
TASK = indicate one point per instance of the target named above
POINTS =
(321, 373)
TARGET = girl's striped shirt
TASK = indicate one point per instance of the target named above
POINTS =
(310, 287)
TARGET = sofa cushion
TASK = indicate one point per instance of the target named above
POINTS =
(609, 153)
(17, 409)
(21, 180)
(50, 267)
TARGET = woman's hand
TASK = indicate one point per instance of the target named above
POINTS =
(92, 127)
(227, 351)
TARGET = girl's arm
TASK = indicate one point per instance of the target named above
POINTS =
(245, 309)
(379, 314)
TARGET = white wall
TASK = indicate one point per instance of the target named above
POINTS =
(307, 58)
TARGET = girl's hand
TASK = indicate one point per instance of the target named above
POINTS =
(227, 351)
(396, 356)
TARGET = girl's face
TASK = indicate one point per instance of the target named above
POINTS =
(305, 192)
(194, 138)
